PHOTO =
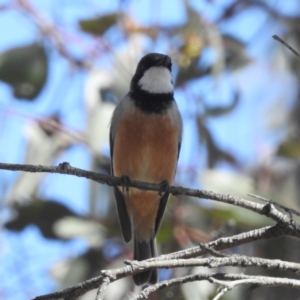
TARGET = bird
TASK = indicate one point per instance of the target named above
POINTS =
(145, 142)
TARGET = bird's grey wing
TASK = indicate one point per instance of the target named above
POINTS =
(165, 197)
(179, 148)
(124, 219)
(163, 202)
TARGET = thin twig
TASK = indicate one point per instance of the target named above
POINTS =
(215, 262)
(277, 38)
(222, 292)
(171, 282)
(255, 280)
(285, 208)
(104, 284)
(267, 232)
(49, 30)
(212, 251)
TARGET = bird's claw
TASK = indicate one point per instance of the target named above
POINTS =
(125, 183)
(164, 187)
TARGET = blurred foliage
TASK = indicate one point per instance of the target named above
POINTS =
(41, 213)
(100, 25)
(215, 154)
(25, 69)
(289, 148)
(222, 110)
(117, 39)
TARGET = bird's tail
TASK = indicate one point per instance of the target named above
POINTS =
(145, 250)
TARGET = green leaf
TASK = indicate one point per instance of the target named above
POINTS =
(100, 25)
(25, 69)
(165, 233)
(290, 149)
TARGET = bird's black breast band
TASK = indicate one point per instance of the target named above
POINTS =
(151, 103)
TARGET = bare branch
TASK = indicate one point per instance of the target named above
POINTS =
(215, 262)
(285, 208)
(257, 280)
(103, 286)
(171, 282)
(134, 267)
(212, 251)
(49, 30)
(228, 242)
(284, 226)
(228, 280)
(221, 293)
(220, 244)
(65, 168)
(277, 38)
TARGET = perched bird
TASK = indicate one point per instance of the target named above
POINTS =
(145, 139)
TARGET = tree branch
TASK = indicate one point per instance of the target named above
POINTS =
(49, 30)
(134, 267)
(219, 278)
(104, 284)
(215, 262)
(290, 211)
(171, 282)
(284, 226)
(64, 168)
(277, 38)
(267, 232)
(212, 251)
(254, 280)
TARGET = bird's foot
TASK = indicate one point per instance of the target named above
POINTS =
(125, 183)
(164, 187)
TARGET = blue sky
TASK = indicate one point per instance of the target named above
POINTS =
(26, 257)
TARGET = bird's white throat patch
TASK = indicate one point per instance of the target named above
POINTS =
(157, 80)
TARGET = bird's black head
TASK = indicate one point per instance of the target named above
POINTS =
(153, 75)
